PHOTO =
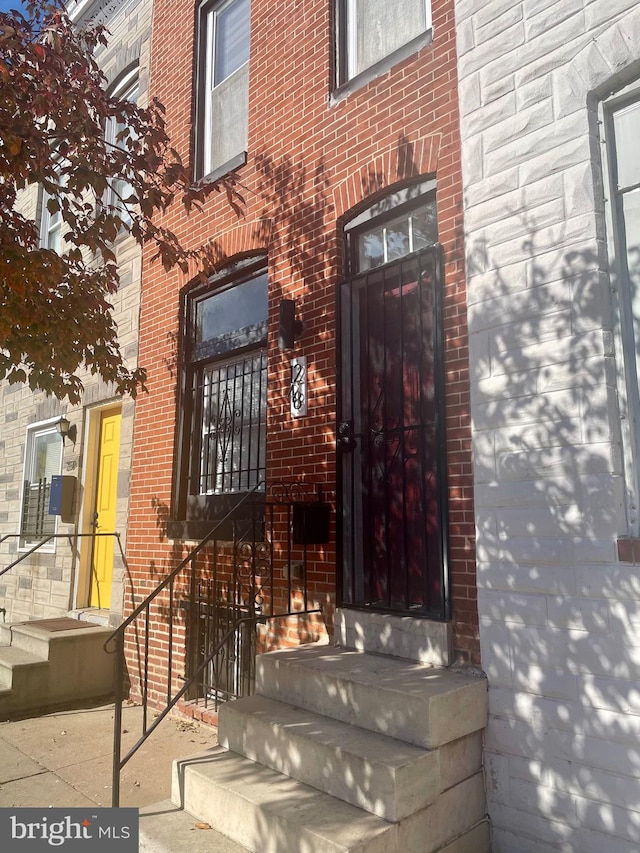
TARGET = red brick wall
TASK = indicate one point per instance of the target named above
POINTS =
(309, 163)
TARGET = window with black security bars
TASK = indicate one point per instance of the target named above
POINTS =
(231, 400)
(223, 413)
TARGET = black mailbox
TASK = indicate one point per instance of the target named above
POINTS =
(61, 496)
(311, 523)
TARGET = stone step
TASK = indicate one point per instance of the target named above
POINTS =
(420, 640)
(20, 670)
(475, 840)
(426, 706)
(50, 663)
(384, 776)
(268, 812)
(164, 828)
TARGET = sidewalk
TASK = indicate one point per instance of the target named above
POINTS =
(65, 758)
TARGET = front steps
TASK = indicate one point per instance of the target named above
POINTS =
(345, 752)
(49, 663)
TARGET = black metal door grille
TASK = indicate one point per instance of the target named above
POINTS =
(391, 438)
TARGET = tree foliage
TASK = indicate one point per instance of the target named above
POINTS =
(55, 307)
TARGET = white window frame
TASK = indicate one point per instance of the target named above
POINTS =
(626, 340)
(48, 427)
(402, 202)
(127, 88)
(347, 43)
(47, 228)
(206, 165)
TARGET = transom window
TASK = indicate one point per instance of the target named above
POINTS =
(371, 30)
(223, 86)
(380, 235)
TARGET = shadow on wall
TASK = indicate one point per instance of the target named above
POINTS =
(560, 625)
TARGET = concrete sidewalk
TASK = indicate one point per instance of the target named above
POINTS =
(65, 758)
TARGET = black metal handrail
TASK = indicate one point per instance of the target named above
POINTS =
(253, 595)
(118, 761)
(48, 538)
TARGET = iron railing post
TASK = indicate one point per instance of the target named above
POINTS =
(117, 721)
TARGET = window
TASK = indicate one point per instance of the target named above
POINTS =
(622, 131)
(50, 222)
(223, 86)
(224, 446)
(398, 225)
(115, 131)
(372, 30)
(43, 459)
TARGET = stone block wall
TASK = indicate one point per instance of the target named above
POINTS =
(559, 610)
(45, 585)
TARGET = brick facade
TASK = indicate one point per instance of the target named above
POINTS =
(313, 158)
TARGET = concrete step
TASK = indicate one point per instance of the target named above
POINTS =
(21, 670)
(419, 640)
(50, 663)
(475, 840)
(384, 776)
(268, 812)
(426, 706)
(167, 829)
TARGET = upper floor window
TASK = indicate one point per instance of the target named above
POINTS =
(115, 133)
(372, 30)
(223, 86)
(43, 459)
(622, 131)
(51, 218)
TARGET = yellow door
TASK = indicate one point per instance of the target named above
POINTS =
(105, 510)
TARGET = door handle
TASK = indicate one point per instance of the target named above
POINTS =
(346, 441)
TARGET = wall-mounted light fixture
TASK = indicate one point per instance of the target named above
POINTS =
(290, 328)
(67, 430)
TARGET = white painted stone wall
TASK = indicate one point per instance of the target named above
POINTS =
(560, 615)
(43, 585)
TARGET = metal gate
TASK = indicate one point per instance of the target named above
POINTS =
(391, 439)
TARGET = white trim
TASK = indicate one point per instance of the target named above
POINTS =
(206, 86)
(41, 427)
(351, 40)
(625, 342)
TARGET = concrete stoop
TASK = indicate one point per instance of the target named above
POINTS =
(50, 663)
(342, 751)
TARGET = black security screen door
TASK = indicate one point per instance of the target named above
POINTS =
(391, 441)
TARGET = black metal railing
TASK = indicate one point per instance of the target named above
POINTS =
(249, 569)
(71, 537)
(37, 521)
